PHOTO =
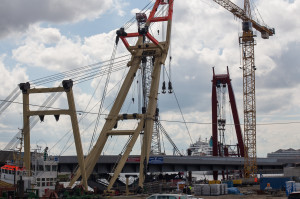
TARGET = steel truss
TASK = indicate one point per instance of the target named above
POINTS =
(159, 51)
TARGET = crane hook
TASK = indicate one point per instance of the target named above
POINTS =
(170, 88)
(164, 87)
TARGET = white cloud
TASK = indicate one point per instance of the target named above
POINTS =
(10, 78)
(48, 48)
(203, 35)
(16, 16)
(135, 10)
(10, 119)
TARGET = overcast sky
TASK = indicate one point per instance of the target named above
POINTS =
(41, 38)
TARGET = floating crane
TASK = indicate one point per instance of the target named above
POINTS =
(146, 47)
(247, 41)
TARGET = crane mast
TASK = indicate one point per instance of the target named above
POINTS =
(247, 42)
(146, 47)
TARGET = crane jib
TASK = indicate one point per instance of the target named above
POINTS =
(240, 13)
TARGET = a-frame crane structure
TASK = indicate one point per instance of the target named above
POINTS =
(247, 41)
(220, 82)
(146, 47)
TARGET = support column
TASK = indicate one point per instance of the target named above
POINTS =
(126, 154)
(93, 156)
(236, 119)
(145, 152)
(26, 131)
(77, 138)
(67, 87)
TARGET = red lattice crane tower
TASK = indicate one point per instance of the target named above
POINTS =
(247, 41)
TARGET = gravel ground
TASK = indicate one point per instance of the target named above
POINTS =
(248, 192)
(211, 197)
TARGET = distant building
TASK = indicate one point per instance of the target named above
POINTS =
(285, 153)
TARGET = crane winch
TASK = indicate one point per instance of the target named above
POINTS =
(248, 42)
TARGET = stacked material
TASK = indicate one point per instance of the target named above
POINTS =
(210, 189)
(225, 189)
(206, 190)
(198, 189)
(215, 189)
(222, 189)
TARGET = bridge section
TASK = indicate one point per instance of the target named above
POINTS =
(105, 164)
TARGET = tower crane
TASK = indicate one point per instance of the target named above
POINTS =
(248, 42)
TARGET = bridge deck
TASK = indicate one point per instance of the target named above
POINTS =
(167, 163)
(172, 164)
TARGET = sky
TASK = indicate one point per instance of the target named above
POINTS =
(41, 38)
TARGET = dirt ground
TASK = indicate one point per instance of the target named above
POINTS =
(212, 197)
(248, 192)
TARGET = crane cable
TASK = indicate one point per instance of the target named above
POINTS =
(169, 138)
(110, 141)
(84, 115)
(78, 72)
(52, 78)
(12, 142)
(185, 123)
(9, 96)
(120, 156)
(45, 106)
(255, 8)
(119, 83)
(103, 94)
(48, 102)
(9, 99)
(55, 77)
(65, 148)
(132, 20)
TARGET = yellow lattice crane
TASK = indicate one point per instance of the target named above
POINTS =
(247, 41)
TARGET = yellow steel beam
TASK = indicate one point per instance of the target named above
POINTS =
(46, 90)
(137, 52)
(125, 155)
(79, 150)
(49, 112)
(71, 111)
(120, 132)
(130, 116)
(26, 131)
(149, 120)
(111, 120)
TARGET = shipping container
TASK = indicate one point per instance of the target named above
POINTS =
(275, 182)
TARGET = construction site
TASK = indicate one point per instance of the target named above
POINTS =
(131, 152)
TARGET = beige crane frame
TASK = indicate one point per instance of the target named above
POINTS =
(160, 53)
(71, 112)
